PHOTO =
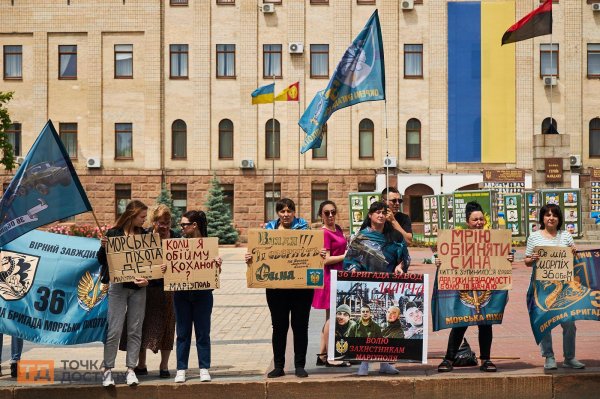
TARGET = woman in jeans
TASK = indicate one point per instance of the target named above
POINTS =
(193, 308)
(550, 234)
(124, 299)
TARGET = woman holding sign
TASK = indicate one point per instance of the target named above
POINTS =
(475, 220)
(550, 234)
(124, 299)
(283, 302)
(378, 247)
(194, 308)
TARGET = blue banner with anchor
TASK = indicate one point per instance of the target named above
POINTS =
(466, 308)
(50, 291)
(553, 302)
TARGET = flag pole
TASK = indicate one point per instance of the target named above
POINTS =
(97, 223)
(273, 146)
(299, 148)
(551, 86)
(387, 147)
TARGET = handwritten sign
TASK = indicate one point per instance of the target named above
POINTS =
(191, 264)
(474, 260)
(132, 256)
(285, 259)
(554, 264)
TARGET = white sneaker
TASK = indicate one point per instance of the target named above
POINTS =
(131, 378)
(204, 375)
(180, 376)
(107, 379)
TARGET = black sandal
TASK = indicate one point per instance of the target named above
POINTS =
(488, 366)
(445, 366)
(320, 361)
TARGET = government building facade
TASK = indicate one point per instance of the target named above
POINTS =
(148, 93)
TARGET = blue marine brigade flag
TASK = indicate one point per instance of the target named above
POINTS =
(50, 289)
(466, 308)
(44, 189)
(553, 302)
(360, 76)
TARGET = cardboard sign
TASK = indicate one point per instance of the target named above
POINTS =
(191, 264)
(474, 260)
(138, 255)
(285, 259)
(554, 264)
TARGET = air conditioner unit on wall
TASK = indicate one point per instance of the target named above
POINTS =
(595, 6)
(575, 161)
(550, 81)
(19, 160)
(407, 4)
(390, 162)
(296, 48)
(247, 164)
(93, 162)
(268, 8)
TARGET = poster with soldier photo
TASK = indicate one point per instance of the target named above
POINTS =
(379, 317)
(359, 207)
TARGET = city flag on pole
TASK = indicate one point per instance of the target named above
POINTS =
(44, 189)
(290, 93)
(263, 95)
(360, 76)
(536, 23)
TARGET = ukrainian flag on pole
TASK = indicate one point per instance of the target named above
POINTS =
(264, 94)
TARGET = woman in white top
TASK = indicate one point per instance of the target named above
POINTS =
(550, 234)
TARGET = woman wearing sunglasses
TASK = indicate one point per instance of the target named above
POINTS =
(335, 244)
(193, 308)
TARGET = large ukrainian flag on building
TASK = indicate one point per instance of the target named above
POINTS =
(481, 83)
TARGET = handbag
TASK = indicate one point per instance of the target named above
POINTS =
(465, 356)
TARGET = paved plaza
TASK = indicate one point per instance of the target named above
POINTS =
(241, 336)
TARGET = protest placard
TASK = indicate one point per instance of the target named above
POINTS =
(138, 255)
(554, 264)
(191, 264)
(378, 317)
(285, 259)
(474, 260)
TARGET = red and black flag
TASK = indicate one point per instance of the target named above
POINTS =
(536, 23)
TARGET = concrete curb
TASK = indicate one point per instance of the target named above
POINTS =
(531, 386)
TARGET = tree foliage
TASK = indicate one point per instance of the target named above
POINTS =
(220, 223)
(8, 155)
(165, 198)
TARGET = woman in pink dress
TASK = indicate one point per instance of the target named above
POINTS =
(335, 244)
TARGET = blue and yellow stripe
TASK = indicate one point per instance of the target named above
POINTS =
(481, 83)
(264, 94)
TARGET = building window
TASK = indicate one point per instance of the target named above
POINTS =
(232, 2)
(595, 138)
(272, 1)
(366, 187)
(415, 207)
(225, 60)
(179, 2)
(272, 139)
(321, 152)
(549, 60)
(179, 61)
(67, 62)
(123, 141)
(13, 62)
(123, 61)
(179, 140)
(68, 136)
(228, 197)
(549, 129)
(413, 139)
(413, 60)
(319, 60)
(319, 1)
(593, 62)
(318, 194)
(122, 198)
(226, 139)
(272, 195)
(271, 61)
(371, 2)
(14, 138)
(179, 196)
(366, 134)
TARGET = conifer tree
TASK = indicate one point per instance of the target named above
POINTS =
(165, 198)
(220, 223)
